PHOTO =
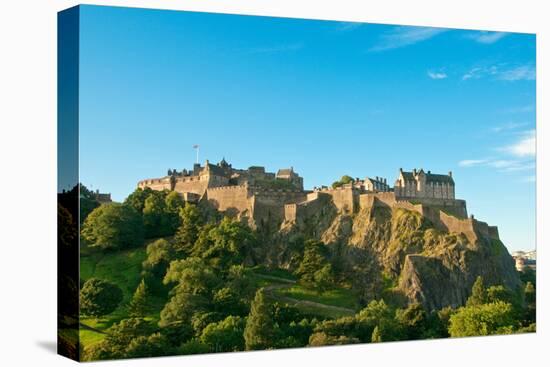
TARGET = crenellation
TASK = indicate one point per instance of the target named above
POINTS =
(263, 197)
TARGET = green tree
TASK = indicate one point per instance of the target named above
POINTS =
(530, 303)
(113, 226)
(87, 201)
(258, 332)
(225, 335)
(482, 319)
(377, 314)
(140, 304)
(414, 322)
(192, 276)
(99, 297)
(174, 203)
(315, 262)
(318, 339)
(323, 279)
(155, 220)
(154, 345)
(193, 346)
(376, 335)
(180, 308)
(137, 198)
(343, 181)
(159, 255)
(229, 243)
(479, 294)
(188, 232)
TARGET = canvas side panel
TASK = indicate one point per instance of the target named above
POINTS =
(67, 184)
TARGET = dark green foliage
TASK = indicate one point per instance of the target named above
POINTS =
(99, 297)
(87, 202)
(180, 308)
(154, 345)
(530, 304)
(155, 220)
(225, 335)
(415, 322)
(174, 203)
(159, 255)
(528, 275)
(315, 269)
(318, 339)
(259, 330)
(118, 342)
(137, 199)
(479, 295)
(188, 232)
(140, 304)
(193, 346)
(113, 226)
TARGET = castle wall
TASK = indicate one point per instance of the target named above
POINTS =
(230, 199)
(158, 184)
(300, 211)
(196, 185)
(346, 199)
(270, 205)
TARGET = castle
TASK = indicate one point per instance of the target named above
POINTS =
(264, 198)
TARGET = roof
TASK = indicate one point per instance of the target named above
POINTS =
(430, 177)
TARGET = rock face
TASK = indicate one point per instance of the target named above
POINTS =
(430, 257)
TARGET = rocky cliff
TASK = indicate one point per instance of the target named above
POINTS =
(427, 260)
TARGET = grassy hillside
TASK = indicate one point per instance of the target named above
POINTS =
(123, 268)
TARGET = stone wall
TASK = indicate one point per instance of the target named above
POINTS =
(345, 198)
(196, 185)
(300, 211)
(230, 199)
(270, 205)
(158, 184)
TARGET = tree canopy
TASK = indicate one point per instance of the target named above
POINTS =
(113, 226)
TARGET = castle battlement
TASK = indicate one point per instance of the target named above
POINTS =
(257, 195)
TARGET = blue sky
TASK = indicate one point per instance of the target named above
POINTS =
(328, 98)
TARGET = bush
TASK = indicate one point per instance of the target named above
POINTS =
(485, 319)
(99, 297)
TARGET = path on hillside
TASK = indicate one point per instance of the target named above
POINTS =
(287, 283)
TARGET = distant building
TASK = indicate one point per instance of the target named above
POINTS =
(525, 260)
(420, 184)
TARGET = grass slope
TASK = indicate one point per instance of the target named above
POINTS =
(123, 268)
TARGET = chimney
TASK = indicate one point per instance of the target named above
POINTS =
(450, 173)
(414, 171)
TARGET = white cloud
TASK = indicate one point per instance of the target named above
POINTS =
(502, 72)
(523, 72)
(472, 162)
(487, 37)
(525, 146)
(405, 36)
(437, 75)
(508, 126)
(513, 159)
(520, 109)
